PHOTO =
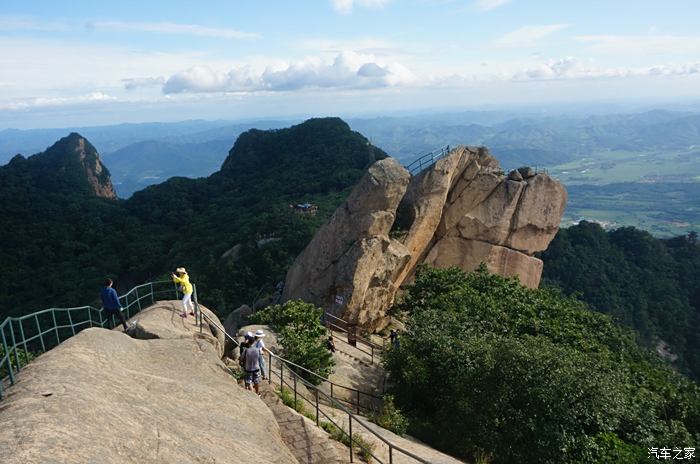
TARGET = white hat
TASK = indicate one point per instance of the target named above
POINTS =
(181, 269)
(249, 335)
(259, 333)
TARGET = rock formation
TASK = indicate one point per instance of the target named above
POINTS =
(104, 397)
(462, 211)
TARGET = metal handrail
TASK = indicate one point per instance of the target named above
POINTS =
(317, 392)
(38, 332)
(297, 366)
(426, 160)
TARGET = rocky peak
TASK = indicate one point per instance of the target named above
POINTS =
(75, 159)
(463, 211)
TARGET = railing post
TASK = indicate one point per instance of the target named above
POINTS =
(7, 353)
(294, 376)
(14, 346)
(350, 434)
(138, 300)
(391, 455)
(358, 401)
(269, 367)
(153, 296)
(41, 335)
(371, 347)
(24, 339)
(331, 389)
(102, 322)
(70, 321)
(55, 326)
(281, 376)
(316, 390)
(89, 315)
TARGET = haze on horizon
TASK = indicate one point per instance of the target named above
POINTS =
(92, 63)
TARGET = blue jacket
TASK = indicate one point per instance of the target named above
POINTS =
(110, 300)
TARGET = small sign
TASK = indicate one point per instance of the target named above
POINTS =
(339, 300)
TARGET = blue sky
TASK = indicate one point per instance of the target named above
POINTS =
(89, 63)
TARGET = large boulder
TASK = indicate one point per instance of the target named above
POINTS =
(104, 397)
(350, 263)
(462, 211)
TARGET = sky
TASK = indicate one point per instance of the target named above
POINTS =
(93, 62)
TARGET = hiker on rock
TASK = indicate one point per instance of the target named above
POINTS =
(111, 305)
(180, 277)
(259, 344)
(250, 361)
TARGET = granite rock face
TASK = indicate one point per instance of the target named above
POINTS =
(105, 397)
(351, 258)
(462, 211)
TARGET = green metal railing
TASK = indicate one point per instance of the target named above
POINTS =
(24, 337)
(424, 161)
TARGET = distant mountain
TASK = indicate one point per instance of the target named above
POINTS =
(71, 165)
(62, 234)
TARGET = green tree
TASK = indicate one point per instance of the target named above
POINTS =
(488, 366)
(301, 336)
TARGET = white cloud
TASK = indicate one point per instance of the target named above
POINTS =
(173, 28)
(349, 70)
(43, 102)
(575, 68)
(346, 6)
(487, 5)
(528, 35)
(641, 44)
(134, 83)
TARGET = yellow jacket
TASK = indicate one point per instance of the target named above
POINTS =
(185, 282)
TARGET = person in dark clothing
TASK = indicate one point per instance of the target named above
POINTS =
(110, 303)
(394, 337)
(330, 344)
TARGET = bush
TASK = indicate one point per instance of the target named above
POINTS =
(390, 418)
(24, 358)
(490, 368)
(301, 336)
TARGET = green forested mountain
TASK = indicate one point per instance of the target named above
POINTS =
(60, 240)
(648, 284)
(495, 372)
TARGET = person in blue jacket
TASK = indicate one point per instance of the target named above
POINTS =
(110, 303)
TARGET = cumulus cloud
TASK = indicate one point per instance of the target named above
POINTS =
(172, 28)
(487, 5)
(528, 35)
(346, 6)
(349, 70)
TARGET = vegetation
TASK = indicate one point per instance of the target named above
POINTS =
(19, 357)
(490, 368)
(301, 336)
(390, 417)
(648, 284)
(60, 241)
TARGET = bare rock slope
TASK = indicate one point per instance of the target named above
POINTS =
(463, 211)
(105, 397)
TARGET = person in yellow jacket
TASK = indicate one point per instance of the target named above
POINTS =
(180, 277)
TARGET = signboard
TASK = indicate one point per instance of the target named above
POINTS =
(339, 300)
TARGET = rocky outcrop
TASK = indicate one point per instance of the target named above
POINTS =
(104, 397)
(351, 259)
(463, 211)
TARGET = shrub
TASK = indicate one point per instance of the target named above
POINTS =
(301, 336)
(390, 418)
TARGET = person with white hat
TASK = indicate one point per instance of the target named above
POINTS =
(180, 277)
(250, 361)
(260, 345)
